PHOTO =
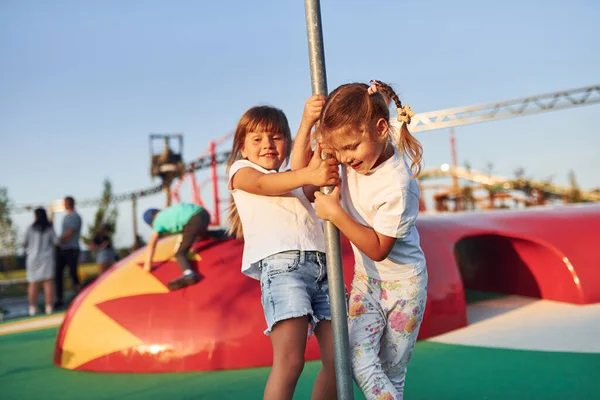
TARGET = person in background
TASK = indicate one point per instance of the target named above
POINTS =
(102, 245)
(68, 250)
(39, 243)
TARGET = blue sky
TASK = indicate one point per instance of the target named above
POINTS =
(83, 83)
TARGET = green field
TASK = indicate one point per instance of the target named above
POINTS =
(437, 371)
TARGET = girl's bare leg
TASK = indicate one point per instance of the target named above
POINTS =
(325, 386)
(288, 338)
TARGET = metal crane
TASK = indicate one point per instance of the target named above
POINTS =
(505, 109)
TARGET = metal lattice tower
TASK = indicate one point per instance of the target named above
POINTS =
(505, 109)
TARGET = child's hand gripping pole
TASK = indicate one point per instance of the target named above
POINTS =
(325, 155)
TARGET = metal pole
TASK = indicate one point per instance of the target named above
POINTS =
(134, 222)
(215, 182)
(337, 290)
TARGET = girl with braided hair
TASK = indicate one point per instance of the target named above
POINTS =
(377, 213)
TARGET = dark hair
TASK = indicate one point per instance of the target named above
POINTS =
(41, 220)
(263, 118)
(351, 108)
(70, 201)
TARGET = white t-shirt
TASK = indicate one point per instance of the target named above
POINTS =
(273, 224)
(386, 200)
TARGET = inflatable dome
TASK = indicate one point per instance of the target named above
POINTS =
(128, 321)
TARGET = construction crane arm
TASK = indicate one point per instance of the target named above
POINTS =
(505, 109)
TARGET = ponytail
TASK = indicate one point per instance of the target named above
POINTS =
(407, 143)
(410, 146)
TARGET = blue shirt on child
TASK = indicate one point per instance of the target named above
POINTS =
(172, 219)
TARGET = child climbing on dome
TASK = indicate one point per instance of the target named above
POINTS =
(189, 220)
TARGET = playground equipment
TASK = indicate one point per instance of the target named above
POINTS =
(168, 164)
(337, 291)
(128, 321)
(498, 187)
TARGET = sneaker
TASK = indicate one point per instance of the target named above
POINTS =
(32, 311)
(49, 309)
(183, 281)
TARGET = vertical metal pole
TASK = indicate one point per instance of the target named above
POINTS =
(134, 221)
(215, 181)
(458, 198)
(337, 292)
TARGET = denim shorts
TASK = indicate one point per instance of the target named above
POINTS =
(105, 256)
(294, 284)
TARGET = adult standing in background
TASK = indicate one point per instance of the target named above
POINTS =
(68, 250)
(40, 240)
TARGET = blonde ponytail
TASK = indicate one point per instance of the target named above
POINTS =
(411, 148)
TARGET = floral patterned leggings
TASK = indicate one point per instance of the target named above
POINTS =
(384, 319)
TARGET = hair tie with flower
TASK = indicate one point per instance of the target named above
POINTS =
(374, 88)
(405, 114)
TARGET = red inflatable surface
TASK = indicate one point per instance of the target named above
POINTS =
(128, 321)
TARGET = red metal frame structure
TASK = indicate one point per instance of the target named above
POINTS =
(214, 162)
(217, 200)
(215, 183)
